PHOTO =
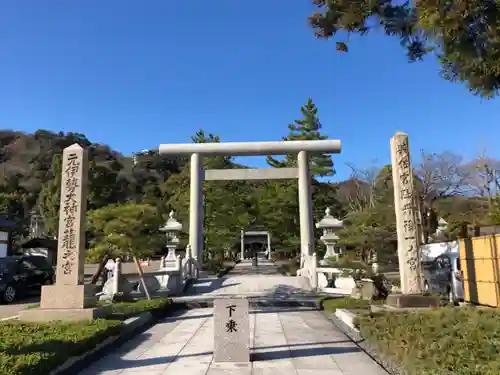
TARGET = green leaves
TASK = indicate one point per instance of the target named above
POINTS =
(307, 128)
(341, 47)
(28, 348)
(127, 229)
(49, 198)
(495, 211)
(465, 35)
(463, 341)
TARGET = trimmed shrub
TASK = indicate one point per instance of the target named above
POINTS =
(133, 308)
(330, 304)
(30, 348)
(444, 341)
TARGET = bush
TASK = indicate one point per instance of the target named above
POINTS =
(212, 265)
(445, 341)
(330, 304)
(127, 309)
(382, 286)
(29, 348)
(359, 270)
(133, 308)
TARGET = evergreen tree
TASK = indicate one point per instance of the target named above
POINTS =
(201, 137)
(106, 186)
(216, 162)
(464, 35)
(308, 128)
(50, 195)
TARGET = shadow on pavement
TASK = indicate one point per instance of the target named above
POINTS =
(212, 285)
(285, 353)
(301, 353)
(264, 310)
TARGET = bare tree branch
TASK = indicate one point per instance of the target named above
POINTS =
(441, 175)
(438, 176)
(484, 177)
(360, 190)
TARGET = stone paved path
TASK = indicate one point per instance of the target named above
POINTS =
(283, 341)
(245, 280)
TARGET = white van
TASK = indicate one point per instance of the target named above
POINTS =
(444, 276)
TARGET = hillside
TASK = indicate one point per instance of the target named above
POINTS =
(26, 165)
(30, 179)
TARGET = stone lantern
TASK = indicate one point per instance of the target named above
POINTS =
(330, 225)
(36, 229)
(171, 228)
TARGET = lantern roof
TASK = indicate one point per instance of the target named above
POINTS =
(329, 222)
(172, 225)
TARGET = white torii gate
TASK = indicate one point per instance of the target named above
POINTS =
(254, 233)
(303, 149)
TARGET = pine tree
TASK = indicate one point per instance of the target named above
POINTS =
(308, 128)
(215, 162)
(463, 35)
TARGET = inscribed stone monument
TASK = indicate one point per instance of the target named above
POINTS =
(69, 298)
(406, 223)
(232, 330)
(405, 203)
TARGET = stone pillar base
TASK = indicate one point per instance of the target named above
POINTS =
(67, 315)
(68, 296)
(411, 301)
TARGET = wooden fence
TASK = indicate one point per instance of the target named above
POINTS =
(480, 263)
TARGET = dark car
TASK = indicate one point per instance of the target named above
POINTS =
(22, 275)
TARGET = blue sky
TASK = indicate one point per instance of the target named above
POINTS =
(136, 74)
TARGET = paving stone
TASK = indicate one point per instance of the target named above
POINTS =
(230, 368)
(320, 372)
(282, 341)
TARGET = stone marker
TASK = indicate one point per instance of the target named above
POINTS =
(69, 298)
(405, 203)
(231, 330)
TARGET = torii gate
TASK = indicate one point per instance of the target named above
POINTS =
(255, 233)
(303, 149)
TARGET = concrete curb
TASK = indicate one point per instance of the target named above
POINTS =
(131, 327)
(9, 318)
(355, 336)
(347, 318)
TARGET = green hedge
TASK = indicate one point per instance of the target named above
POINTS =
(134, 308)
(330, 305)
(445, 341)
(29, 348)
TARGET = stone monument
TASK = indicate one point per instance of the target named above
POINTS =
(330, 225)
(405, 203)
(231, 330)
(69, 298)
